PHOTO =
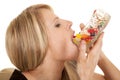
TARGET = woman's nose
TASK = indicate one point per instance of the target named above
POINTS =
(69, 24)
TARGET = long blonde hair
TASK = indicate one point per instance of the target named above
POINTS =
(26, 39)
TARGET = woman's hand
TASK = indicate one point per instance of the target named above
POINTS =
(87, 62)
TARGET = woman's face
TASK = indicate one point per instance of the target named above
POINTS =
(60, 36)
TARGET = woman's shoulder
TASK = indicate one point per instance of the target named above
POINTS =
(17, 75)
(11, 74)
(6, 73)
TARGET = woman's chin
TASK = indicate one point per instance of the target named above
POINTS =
(74, 49)
(73, 44)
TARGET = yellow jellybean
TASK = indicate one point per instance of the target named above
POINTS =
(78, 35)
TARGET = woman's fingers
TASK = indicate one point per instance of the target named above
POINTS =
(82, 26)
(94, 53)
(98, 44)
(82, 49)
(99, 40)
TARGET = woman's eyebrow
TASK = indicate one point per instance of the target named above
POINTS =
(55, 19)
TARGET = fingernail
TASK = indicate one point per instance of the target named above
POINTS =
(83, 44)
(102, 35)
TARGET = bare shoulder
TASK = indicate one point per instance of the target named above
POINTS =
(97, 76)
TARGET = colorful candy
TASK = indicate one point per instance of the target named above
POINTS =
(90, 33)
(87, 37)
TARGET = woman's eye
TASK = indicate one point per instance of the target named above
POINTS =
(57, 25)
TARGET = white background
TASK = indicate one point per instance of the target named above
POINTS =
(78, 11)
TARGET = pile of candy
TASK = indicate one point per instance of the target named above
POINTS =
(90, 33)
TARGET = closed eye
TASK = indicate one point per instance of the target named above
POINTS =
(57, 25)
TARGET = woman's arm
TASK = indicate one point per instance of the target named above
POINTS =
(110, 71)
(97, 76)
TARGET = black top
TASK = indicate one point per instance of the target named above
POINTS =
(17, 75)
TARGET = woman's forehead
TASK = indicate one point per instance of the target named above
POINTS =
(48, 16)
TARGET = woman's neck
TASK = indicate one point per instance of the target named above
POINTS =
(48, 70)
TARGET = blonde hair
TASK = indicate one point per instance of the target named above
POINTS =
(26, 39)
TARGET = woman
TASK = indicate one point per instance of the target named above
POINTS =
(40, 45)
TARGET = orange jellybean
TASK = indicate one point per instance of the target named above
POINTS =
(84, 36)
